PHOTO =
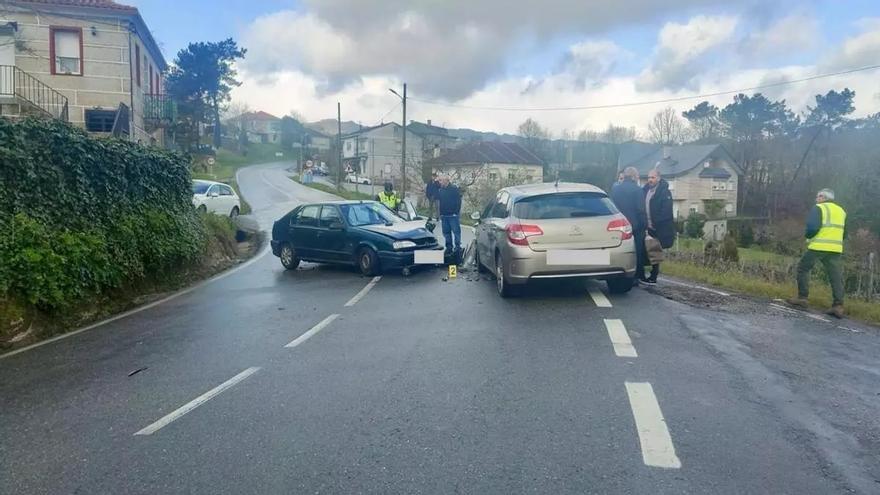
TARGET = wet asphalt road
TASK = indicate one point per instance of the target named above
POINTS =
(430, 386)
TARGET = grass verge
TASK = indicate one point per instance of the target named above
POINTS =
(820, 295)
(342, 193)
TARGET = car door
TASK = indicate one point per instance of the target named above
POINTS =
(212, 199)
(303, 231)
(227, 198)
(330, 237)
(482, 234)
(496, 228)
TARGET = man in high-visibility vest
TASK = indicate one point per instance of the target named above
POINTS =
(826, 229)
(389, 197)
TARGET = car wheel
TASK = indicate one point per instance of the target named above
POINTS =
(505, 290)
(288, 257)
(368, 262)
(620, 285)
(234, 212)
(202, 209)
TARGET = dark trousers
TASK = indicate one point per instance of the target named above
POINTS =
(641, 254)
(833, 263)
(451, 225)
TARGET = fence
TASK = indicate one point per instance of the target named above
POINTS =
(16, 83)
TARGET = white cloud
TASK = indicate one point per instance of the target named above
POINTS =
(860, 50)
(590, 62)
(680, 48)
(796, 32)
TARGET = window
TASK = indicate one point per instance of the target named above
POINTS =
(100, 120)
(151, 80)
(214, 190)
(695, 208)
(329, 216)
(369, 214)
(731, 186)
(146, 64)
(65, 47)
(137, 64)
(362, 145)
(493, 175)
(226, 191)
(511, 175)
(397, 146)
(307, 217)
(564, 205)
(200, 187)
(499, 210)
(728, 208)
(396, 131)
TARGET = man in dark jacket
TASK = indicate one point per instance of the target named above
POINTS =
(661, 222)
(630, 200)
(449, 199)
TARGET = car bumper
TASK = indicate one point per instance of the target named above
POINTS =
(276, 247)
(523, 265)
(402, 259)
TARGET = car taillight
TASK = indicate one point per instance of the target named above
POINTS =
(519, 234)
(623, 226)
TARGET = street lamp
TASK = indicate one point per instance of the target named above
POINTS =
(403, 146)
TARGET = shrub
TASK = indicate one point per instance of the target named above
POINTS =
(693, 226)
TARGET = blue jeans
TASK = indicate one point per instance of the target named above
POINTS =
(451, 225)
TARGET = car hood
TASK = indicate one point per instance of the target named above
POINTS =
(399, 231)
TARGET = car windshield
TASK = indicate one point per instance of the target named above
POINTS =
(372, 213)
(200, 187)
(564, 205)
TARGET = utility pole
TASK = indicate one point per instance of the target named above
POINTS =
(339, 143)
(403, 149)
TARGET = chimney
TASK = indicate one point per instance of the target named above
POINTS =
(429, 121)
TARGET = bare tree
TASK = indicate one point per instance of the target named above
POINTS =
(667, 127)
(532, 134)
(618, 134)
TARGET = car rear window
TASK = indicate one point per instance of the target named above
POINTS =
(564, 205)
(200, 187)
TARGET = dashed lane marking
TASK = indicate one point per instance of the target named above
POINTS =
(357, 297)
(198, 401)
(657, 447)
(802, 313)
(599, 298)
(623, 346)
(315, 329)
(699, 287)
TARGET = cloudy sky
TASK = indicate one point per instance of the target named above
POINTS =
(306, 55)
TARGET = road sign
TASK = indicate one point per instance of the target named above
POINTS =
(211, 160)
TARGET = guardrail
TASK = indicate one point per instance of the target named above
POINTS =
(16, 83)
(159, 108)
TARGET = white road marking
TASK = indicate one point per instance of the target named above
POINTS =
(816, 317)
(783, 308)
(273, 186)
(198, 401)
(657, 447)
(144, 307)
(801, 312)
(700, 287)
(599, 298)
(315, 329)
(357, 297)
(620, 339)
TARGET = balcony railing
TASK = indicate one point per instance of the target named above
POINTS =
(16, 83)
(159, 109)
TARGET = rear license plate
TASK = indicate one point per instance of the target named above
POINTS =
(429, 257)
(599, 257)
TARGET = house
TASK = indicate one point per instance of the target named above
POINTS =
(504, 164)
(318, 140)
(435, 140)
(261, 127)
(376, 152)
(699, 175)
(93, 63)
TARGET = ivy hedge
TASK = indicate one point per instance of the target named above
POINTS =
(82, 215)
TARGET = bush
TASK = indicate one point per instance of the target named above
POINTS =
(82, 215)
(693, 226)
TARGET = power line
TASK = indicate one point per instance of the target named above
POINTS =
(395, 107)
(649, 102)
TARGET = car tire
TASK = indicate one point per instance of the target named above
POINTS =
(288, 257)
(234, 213)
(368, 262)
(620, 285)
(505, 290)
(202, 209)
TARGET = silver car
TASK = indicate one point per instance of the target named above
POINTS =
(551, 231)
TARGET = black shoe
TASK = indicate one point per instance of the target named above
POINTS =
(650, 281)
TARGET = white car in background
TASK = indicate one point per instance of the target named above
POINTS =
(215, 197)
(354, 179)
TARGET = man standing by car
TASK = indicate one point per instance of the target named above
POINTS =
(389, 197)
(826, 229)
(661, 222)
(630, 200)
(449, 199)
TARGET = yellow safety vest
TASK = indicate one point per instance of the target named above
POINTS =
(830, 236)
(389, 200)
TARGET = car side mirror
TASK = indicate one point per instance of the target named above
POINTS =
(475, 216)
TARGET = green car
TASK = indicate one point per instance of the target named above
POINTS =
(365, 234)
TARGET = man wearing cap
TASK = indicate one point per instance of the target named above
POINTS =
(826, 230)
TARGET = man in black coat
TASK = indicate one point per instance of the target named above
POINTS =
(449, 199)
(661, 222)
(630, 200)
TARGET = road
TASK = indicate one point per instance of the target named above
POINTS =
(321, 381)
